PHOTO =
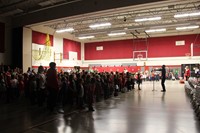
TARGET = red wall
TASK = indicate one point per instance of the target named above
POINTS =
(69, 45)
(111, 50)
(157, 47)
(40, 38)
(130, 69)
(165, 46)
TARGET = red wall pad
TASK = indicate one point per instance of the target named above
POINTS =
(157, 47)
(166, 46)
(40, 38)
(69, 45)
(111, 50)
(120, 69)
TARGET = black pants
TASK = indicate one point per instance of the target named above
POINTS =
(186, 78)
(41, 97)
(163, 84)
(52, 99)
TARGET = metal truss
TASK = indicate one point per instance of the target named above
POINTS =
(123, 20)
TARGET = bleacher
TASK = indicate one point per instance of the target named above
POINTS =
(192, 88)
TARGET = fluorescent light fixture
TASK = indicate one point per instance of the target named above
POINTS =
(117, 34)
(188, 27)
(65, 30)
(187, 15)
(100, 25)
(147, 19)
(85, 37)
(155, 30)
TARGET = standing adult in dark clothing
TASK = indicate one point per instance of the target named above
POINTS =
(91, 93)
(139, 80)
(129, 83)
(163, 77)
(80, 93)
(52, 86)
(98, 90)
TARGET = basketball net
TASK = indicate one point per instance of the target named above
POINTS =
(140, 57)
(188, 55)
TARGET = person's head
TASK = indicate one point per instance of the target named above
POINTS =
(163, 66)
(52, 65)
(40, 69)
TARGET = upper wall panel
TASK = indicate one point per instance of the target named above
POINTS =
(156, 48)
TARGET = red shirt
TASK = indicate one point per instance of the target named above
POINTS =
(52, 79)
(187, 72)
(21, 85)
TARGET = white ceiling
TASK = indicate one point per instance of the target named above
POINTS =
(123, 19)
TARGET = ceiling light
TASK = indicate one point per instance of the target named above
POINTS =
(188, 27)
(100, 25)
(147, 19)
(65, 30)
(187, 15)
(117, 34)
(85, 37)
(155, 30)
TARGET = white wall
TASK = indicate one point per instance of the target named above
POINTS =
(82, 53)
(29, 60)
(27, 40)
(149, 61)
(58, 48)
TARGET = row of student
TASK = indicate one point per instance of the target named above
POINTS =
(51, 88)
(84, 88)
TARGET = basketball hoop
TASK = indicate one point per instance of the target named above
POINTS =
(140, 57)
(188, 55)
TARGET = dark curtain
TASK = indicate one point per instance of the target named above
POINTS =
(17, 37)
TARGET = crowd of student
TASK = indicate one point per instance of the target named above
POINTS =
(50, 88)
(81, 89)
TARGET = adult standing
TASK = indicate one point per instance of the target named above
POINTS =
(139, 80)
(163, 78)
(91, 93)
(52, 86)
(187, 73)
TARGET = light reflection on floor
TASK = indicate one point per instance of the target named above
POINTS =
(144, 111)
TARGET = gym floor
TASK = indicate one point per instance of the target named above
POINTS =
(137, 111)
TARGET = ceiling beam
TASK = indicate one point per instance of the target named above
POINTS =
(74, 8)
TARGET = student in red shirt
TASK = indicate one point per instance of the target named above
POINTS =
(187, 73)
(52, 86)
